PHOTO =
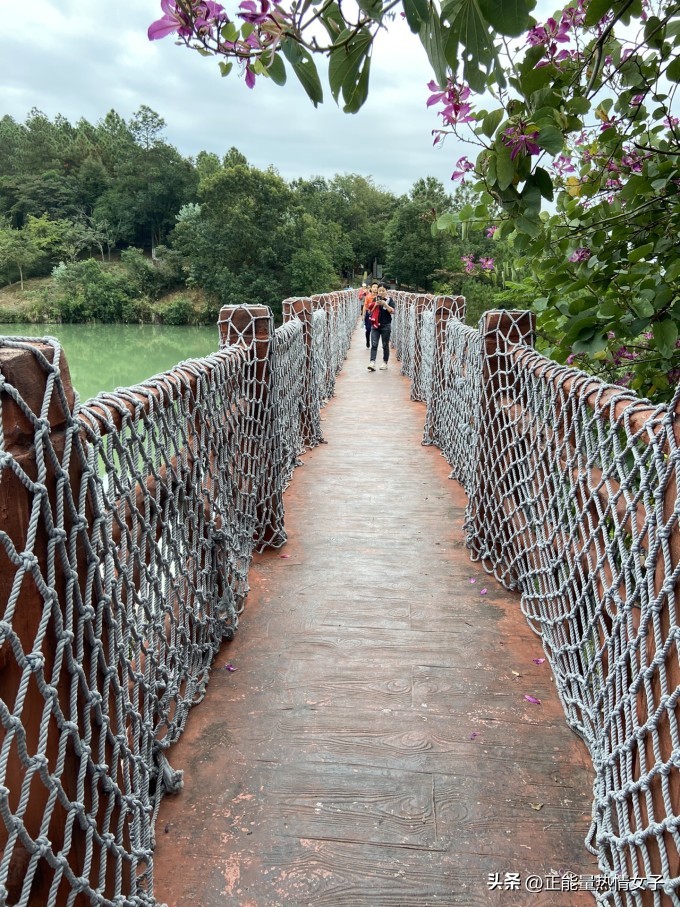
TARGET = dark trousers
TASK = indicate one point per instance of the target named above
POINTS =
(378, 334)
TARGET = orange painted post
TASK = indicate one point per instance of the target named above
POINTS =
(253, 328)
(499, 330)
(310, 424)
(38, 723)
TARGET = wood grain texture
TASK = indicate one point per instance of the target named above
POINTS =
(373, 747)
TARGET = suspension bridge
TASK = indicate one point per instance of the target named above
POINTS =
(403, 690)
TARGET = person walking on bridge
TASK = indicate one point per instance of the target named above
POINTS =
(369, 302)
(381, 327)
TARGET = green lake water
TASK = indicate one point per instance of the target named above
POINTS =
(102, 357)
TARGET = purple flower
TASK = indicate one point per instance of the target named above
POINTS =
(562, 164)
(174, 20)
(454, 98)
(490, 231)
(486, 264)
(521, 141)
(463, 166)
(207, 15)
(550, 32)
(251, 13)
(250, 82)
(469, 262)
(580, 254)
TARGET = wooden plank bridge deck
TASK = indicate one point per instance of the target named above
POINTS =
(373, 746)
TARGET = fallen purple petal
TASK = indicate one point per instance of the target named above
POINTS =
(284, 555)
(538, 661)
(532, 699)
(473, 735)
(472, 579)
(482, 591)
(229, 666)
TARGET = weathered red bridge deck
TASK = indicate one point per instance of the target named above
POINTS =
(373, 747)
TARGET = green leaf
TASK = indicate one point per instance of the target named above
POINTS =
(509, 17)
(225, 68)
(277, 70)
(641, 252)
(446, 221)
(550, 138)
(304, 68)
(470, 32)
(356, 94)
(432, 39)
(673, 71)
(416, 12)
(578, 104)
(590, 342)
(541, 178)
(492, 121)
(505, 168)
(346, 67)
(665, 336)
(673, 270)
(229, 33)
(597, 9)
(372, 8)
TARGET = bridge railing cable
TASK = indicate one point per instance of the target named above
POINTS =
(127, 528)
(573, 501)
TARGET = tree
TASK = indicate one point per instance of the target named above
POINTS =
(413, 254)
(16, 248)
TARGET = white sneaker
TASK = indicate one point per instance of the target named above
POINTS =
(371, 366)
(383, 367)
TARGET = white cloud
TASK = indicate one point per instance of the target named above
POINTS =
(87, 58)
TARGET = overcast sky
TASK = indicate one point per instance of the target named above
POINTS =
(81, 59)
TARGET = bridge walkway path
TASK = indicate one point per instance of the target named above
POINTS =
(373, 746)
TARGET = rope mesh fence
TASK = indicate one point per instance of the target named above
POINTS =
(573, 501)
(127, 531)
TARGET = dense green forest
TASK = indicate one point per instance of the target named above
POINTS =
(109, 222)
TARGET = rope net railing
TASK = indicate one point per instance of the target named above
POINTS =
(573, 501)
(127, 528)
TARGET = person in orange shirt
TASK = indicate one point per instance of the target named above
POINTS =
(370, 300)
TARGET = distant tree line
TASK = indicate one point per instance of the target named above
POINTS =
(129, 230)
